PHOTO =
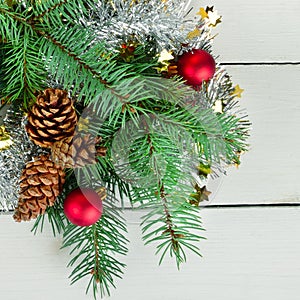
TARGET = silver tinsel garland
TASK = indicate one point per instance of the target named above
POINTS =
(166, 24)
(13, 159)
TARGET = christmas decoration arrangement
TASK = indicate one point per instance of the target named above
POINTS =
(103, 101)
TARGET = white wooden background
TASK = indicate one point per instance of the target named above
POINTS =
(250, 253)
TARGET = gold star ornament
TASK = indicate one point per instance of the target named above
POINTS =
(193, 34)
(201, 194)
(5, 139)
(237, 91)
(202, 12)
(210, 15)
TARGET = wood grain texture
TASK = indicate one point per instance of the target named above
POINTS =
(256, 31)
(249, 254)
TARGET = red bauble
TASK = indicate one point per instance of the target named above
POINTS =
(83, 207)
(196, 66)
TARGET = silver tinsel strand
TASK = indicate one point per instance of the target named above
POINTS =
(13, 160)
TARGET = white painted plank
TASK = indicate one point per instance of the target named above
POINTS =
(269, 172)
(254, 31)
(249, 254)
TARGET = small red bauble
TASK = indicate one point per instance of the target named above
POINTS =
(196, 66)
(83, 207)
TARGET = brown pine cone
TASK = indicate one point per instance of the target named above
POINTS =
(77, 151)
(40, 183)
(51, 118)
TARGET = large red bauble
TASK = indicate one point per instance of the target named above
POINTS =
(83, 207)
(196, 66)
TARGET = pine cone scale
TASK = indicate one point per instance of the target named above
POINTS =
(32, 133)
(47, 191)
(45, 180)
(53, 132)
(48, 123)
(35, 180)
(55, 110)
(45, 113)
(41, 133)
(41, 169)
(35, 193)
(56, 191)
(40, 124)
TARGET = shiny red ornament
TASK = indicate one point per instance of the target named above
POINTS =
(83, 207)
(196, 66)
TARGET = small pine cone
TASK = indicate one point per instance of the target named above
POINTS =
(40, 183)
(77, 151)
(51, 118)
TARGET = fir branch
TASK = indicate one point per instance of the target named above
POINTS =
(35, 27)
(23, 70)
(2, 82)
(171, 221)
(92, 248)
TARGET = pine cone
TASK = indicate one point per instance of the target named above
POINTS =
(40, 183)
(77, 151)
(51, 118)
